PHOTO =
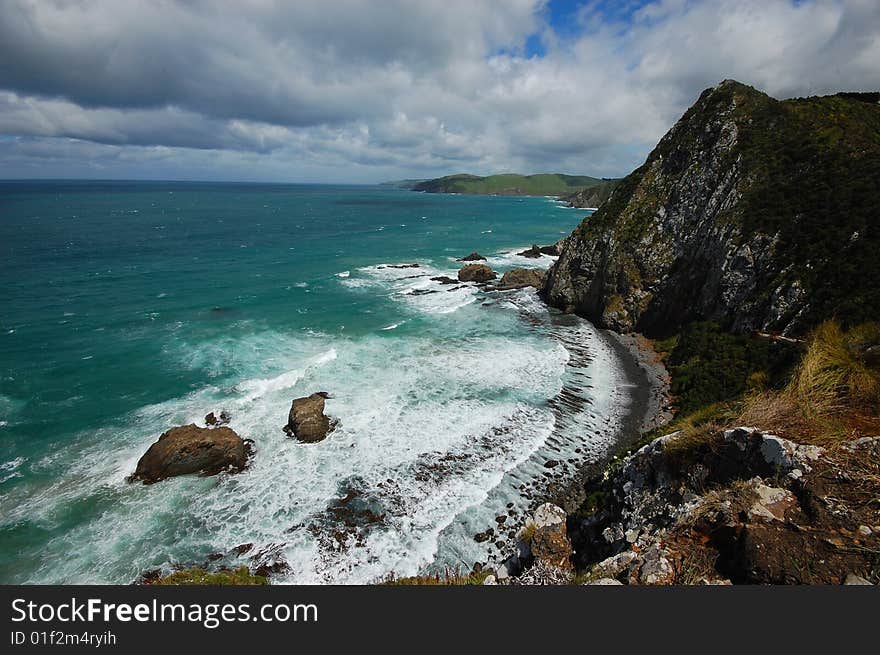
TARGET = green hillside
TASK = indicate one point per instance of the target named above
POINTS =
(510, 184)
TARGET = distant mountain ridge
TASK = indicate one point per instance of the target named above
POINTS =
(512, 184)
(402, 184)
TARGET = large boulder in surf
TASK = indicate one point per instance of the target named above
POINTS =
(473, 257)
(307, 421)
(517, 278)
(190, 449)
(476, 273)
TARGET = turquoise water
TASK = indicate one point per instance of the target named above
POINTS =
(128, 308)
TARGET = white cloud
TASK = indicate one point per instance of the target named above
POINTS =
(356, 90)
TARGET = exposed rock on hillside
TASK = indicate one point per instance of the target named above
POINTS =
(549, 542)
(191, 449)
(747, 507)
(751, 212)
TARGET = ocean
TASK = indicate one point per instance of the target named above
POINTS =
(132, 307)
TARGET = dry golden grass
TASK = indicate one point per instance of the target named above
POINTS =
(834, 394)
(833, 375)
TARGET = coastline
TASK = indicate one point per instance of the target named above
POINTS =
(643, 366)
(647, 382)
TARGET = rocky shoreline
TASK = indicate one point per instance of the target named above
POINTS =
(644, 377)
(648, 407)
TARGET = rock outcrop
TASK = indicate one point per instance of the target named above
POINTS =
(214, 421)
(517, 278)
(476, 273)
(190, 449)
(549, 541)
(473, 257)
(307, 421)
(743, 214)
(747, 506)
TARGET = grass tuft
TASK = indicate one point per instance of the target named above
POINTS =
(834, 393)
(447, 579)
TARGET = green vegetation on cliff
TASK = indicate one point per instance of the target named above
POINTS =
(199, 576)
(541, 184)
(750, 212)
(708, 365)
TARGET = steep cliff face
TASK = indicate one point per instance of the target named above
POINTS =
(755, 213)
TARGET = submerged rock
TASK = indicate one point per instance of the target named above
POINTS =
(190, 449)
(476, 273)
(473, 257)
(444, 279)
(307, 421)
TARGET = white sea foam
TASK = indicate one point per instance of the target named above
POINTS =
(510, 259)
(343, 274)
(9, 470)
(434, 429)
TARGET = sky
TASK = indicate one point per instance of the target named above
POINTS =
(364, 91)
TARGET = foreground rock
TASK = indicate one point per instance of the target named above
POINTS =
(307, 421)
(518, 278)
(742, 506)
(476, 273)
(549, 541)
(190, 449)
(473, 257)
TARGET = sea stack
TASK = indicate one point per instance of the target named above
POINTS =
(307, 421)
(190, 449)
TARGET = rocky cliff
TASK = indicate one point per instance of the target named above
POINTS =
(745, 506)
(752, 212)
